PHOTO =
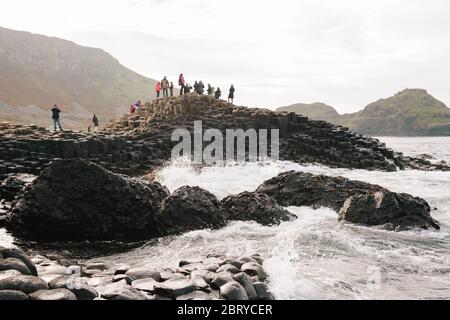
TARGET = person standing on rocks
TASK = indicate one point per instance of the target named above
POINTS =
(210, 90)
(182, 84)
(55, 116)
(158, 89)
(201, 88)
(171, 88)
(95, 121)
(196, 87)
(231, 95)
(165, 87)
(218, 94)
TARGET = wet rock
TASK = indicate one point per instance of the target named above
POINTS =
(13, 295)
(220, 279)
(171, 275)
(27, 284)
(77, 286)
(54, 295)
(254, 269)
(14, 264)
(97, 265)
(144, 273)
(53, 270)
(259, 207)
(120, 277)
(195, 295)
(190, 208)
(9, 273)
(356, 201)
(80, 200)
(121, 291)
(247, 283)
(22, 256)
(262, 292)
(175, 288)
(147, 285)
(233, 291)
(229, 268)
(200, 283)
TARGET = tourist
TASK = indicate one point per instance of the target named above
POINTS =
(132, 109)
(95, 121)
(138, 104)
(171, 88)
(187, 88)
(210, 90)
(165, 87)
(158, 89)
(201, 88)
(55, 116)
(218, 94)
(182, 84)
(231, 95)
(196, 87)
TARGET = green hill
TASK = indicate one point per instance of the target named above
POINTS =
(38, 72)
(317, 111)
(409, 112)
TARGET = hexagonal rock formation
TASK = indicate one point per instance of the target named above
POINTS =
(259, 207)
(356, 201)
(79, 200)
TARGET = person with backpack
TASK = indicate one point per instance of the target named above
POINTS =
(231, 95)
(201, 88)
(182, 84)
(95, 121)
(196, 87)
(55, 116)
(165, 87)
(171, 88)
(218, 94)
(158, 89)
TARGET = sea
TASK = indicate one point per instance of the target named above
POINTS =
(315, 256)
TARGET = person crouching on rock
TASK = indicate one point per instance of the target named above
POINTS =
(132, 109)
(158, 89)
(218, 94)
(231, 95)
(55, 116)
(95, 121)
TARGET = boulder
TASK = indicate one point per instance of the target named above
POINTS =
(80, 200)
(26, 284)
(144, 273)
(190, 208)
(22, 256)
(147, 285)
(77, 286)
(13, 295)
(195, 295)
(54, 295)
(356, 201)
(10, 187)
(259, 207)
(14, 264)
(175, 288)
(262, 292)
(246, 281)
(121, 291)
(233, 291)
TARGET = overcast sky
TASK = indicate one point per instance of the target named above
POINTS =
(346, 53)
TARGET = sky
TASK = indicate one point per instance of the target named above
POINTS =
(346, 53)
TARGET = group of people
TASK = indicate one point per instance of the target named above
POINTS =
(56, 111)
(199, 88)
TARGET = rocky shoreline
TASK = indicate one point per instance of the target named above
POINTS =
(213, 277)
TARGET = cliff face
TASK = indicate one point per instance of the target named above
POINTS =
(409, 112)
(38, 72)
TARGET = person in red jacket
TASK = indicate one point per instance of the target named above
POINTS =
(158, 89)
(182, 84)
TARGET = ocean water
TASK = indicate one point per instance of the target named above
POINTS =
(315, 256)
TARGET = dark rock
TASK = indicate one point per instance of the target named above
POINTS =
(79, 200)
(14, 264)
(19, 254)
(13, 295)
(10, 187)
(27, 284)
(54, 295)
(219, 279)
(144, 273)
(259, 207)
(195, 295)
(388, 208)
(357, 201)
(247, 283)
(233, 291)
(77, 286)
(262, 292)
(190, 208)
(254, 269)
(175, 288)
(229, 268)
